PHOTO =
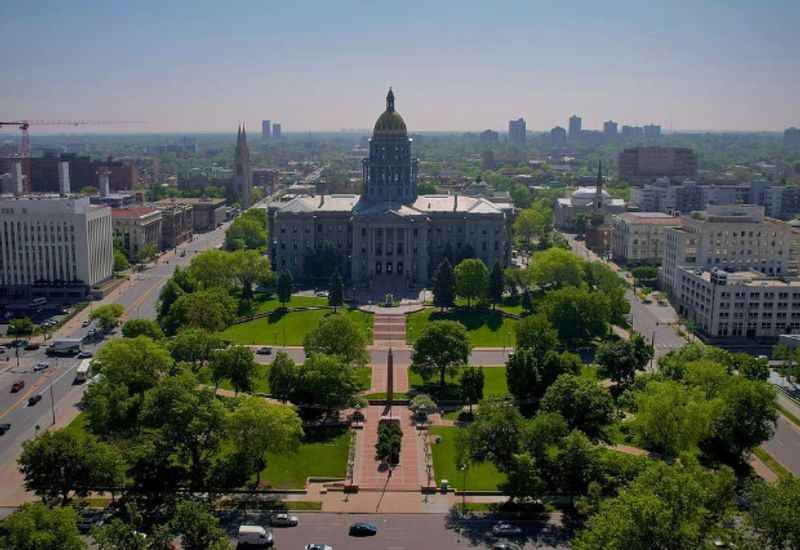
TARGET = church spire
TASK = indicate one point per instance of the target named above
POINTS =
(598, 193)
(390, 101)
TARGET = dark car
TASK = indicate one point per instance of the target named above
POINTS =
(32, 346)
(18, 385)
(85, 355)
(361, 529)
(264, 351)
(4, 428)
(33, 399)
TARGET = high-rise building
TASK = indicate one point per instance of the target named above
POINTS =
(517, 132)
(277, 131)
(558, 137)
(489, 136)
(266, 130)
(51, 244)
(791, 138)
(642, 163)
(632, 132)
(652, 131)
(575, 123)
(243, 178)
(610, 129)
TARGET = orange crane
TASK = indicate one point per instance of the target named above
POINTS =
(24, 126)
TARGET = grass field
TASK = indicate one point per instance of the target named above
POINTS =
(290, 328)
(263, 305)
(322, 453)
(485, 328)
(494, 383)
(482, 476)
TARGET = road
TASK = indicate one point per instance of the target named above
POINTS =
(401, 356)
(139, 295)
(398, 532)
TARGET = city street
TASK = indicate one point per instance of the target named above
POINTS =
(398, 532)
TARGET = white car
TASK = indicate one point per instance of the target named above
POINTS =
(283, 520)
(254, 535)
(41, 367)
(318, 547)
(504, 529)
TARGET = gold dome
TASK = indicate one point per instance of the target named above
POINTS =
(390, 123)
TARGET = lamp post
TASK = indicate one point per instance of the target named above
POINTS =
(463, 469)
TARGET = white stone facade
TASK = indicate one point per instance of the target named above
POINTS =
(637, 237)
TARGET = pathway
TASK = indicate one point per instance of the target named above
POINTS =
(371, 475)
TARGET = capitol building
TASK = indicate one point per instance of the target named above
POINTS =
(391, 237)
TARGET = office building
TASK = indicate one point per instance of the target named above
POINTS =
(207, 214)
(574, 128)
(639, 164)
(652, 131)
(266, 130)
(139, 230)
(54, 246)
(632, 133)
(558, 137)
(791, 138)
(637, 237)
(277, 131)
(517, 131)
(610, 130)
(489, 136)
(176, 222)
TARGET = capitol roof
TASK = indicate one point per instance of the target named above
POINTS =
(390, 123)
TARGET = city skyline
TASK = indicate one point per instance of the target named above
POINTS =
(189, 68)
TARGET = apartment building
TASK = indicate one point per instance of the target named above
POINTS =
(637, 237)
(54, 246)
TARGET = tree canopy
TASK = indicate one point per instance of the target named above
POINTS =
(472, 279)
(442, 346)
(338, 335)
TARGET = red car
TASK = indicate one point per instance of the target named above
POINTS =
(18, 385)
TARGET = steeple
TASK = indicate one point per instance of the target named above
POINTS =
(390, 101)
(598, 193)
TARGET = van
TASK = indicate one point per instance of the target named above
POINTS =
(254, 535)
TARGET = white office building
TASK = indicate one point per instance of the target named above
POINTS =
(637, 237)
(54, 246)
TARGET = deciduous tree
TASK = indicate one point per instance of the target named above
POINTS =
(285, 283)
(338, 335)
(442, 346)
(496, 285)
(198, 527)
(237, 364)
(283, 376)
(582, 402)
(336, 291)
(325, 383)
(471, 385)
(556, 268)
(142, 327)
(107, 316)
(620, 359)
(576, 313)
(472, 279)
(35, 526)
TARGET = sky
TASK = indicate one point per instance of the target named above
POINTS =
(201, 65)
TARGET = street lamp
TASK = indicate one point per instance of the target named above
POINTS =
(464, 469)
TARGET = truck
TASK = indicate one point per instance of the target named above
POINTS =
(82, 372)
(65, 347)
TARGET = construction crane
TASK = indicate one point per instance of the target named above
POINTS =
(24, 126)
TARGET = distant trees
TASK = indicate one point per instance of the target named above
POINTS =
(582, 402)
(442, 346)
(530, 372)
(576, 313)
(282, 376)
(324, 384)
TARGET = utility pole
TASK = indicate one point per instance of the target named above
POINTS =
(53, 404)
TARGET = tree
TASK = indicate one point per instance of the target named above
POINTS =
(556, 268)
(675, 506)
(774, 511)
(442, 346)
(527, 301)
(389, 444)
(137, 363)
(752, 368)
(57, 464)
(34, 526)
(524, 482)
(107, 316)
(325, 383)
(198, 527)
(142, 327)
(283, 376)
(147, 252)
(248, 267)
(583, 404)
(212, 269)
(471, 386)
(190, 420)
(248, 231)
(536, 221)
(285, 287)
(535, 332)
(747, 418)
(22, 326)
(336, 291)
(576, 313)
(496, 284)
(422, 404)
(472, 279)
(257, 427)
(118, 535)
(426, 188)
(212, 310)
(120, 261)
(237, 364)
(168, 296)
(338, 335)
(672, 418)
(620, 359)
(529, 373)
(495, 434)
(444, 285)
(645, 275)
(194, 346)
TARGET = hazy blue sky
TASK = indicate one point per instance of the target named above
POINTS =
(463, 65)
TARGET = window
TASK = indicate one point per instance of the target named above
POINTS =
(399, 268)
(378, 266)
(388, 268)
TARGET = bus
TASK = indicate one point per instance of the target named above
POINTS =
(82, 372)
(65, 347)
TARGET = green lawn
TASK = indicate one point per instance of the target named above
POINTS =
(290, 328)
(481, 476)
(485, 328)
(322, 453)
(261, 378)
(494, 383)
(262, 305)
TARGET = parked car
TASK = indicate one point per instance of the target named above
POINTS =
(254, 535)
(33, 399)
(283, 520)
(318, 547)
(4, 428)
(32, 346)
(41, 367)
(91, 518)
(86, 323)
(505, 529)
(264, 351)
(18, 385)
(506, 546)
(85, 355)
(362, 529)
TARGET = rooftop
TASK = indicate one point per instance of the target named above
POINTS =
(133, 212)
(654, 218)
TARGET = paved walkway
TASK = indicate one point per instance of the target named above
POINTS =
(371, 474)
